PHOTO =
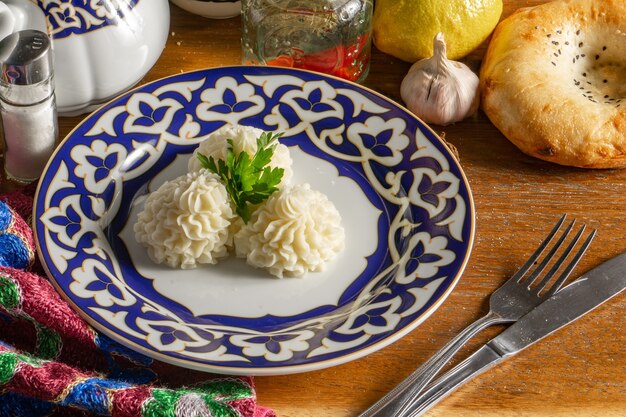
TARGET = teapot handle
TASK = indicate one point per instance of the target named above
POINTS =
(7, 21)
(16, 15)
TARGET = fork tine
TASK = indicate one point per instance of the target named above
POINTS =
(570, 267)
(548, 276)
(546, 260)
(533, 258)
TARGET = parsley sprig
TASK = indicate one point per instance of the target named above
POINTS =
(248, 180)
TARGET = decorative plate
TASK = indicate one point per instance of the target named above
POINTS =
(405, 203)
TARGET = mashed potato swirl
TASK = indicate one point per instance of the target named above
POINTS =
(186, 221)
(244, 140)
(295, 231)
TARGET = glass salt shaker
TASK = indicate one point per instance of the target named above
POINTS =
(329, 36)
(27, 104)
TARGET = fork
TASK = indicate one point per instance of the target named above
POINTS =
(517, 296)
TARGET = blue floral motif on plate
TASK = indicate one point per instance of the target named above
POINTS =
(414, 192)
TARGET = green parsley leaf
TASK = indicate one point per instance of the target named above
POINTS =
(249, 180)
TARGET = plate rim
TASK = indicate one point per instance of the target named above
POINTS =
(256, 370)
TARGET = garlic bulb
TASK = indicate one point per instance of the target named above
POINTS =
(438, 90)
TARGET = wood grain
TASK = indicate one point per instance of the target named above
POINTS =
(579, 372)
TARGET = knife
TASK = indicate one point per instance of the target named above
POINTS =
(570, 303)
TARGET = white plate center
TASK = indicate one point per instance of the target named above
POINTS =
(236, 289)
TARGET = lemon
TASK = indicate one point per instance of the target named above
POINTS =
(406, 28)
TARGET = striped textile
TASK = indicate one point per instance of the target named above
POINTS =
(52, 363)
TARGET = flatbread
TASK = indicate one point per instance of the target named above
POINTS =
(553, 81)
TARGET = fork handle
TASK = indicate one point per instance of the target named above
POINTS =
(482, 360)
(400, 397)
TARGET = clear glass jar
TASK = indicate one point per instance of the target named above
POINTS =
(330, 36)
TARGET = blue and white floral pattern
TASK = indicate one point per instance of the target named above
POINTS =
(426, 225)
(75, 17)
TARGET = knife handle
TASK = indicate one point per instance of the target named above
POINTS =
(395, 401)
(483, 359)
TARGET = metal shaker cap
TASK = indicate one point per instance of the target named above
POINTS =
(26, 58)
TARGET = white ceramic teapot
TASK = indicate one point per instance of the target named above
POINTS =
(102, 47)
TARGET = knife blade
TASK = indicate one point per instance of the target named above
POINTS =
(574, 301)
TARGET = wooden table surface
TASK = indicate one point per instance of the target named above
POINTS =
(580, 371)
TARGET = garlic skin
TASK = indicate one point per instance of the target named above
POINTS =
(438, 90)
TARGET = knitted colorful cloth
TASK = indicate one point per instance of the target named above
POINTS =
(53, 364)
